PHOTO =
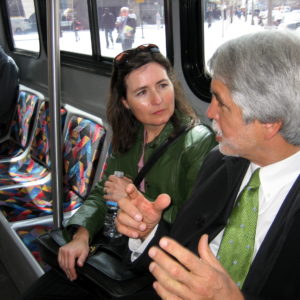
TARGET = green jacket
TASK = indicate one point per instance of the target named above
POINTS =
(174, 173)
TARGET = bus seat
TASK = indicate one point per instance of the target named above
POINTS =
(82, 145)
(35, 165)
(21, 130)
(29, 235)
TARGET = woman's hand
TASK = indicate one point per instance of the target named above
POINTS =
(75, 251)
(115, 187)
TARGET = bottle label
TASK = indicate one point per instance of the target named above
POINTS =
(112, 203)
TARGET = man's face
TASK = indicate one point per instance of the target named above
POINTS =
(124, 13)
(235, 137)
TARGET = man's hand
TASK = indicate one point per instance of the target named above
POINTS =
(137, 215)
(188, 276)
(77, 249)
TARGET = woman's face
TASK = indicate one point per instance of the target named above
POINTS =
(150, 96)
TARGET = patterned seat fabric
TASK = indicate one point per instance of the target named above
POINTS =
(21, 127)
(40, 149)
(29, 237)
(82, 146)
(36, 164)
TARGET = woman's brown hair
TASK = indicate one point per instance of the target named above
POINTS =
(123, 123)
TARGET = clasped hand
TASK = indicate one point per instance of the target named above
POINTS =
(114, 187)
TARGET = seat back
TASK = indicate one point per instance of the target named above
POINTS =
(21, 131)
(40, 147)
(82, 147)
(83, 139)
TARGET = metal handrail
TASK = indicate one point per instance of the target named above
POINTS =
(54, 89)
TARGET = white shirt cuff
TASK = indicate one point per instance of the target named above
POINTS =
(137, 246)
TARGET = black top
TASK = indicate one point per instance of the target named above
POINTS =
(9, 86)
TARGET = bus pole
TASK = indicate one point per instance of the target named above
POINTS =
(54, 87)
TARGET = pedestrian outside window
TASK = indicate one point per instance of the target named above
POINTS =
(226, 20)
(75, 33)
(124, 27)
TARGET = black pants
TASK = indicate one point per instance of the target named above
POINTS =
(108, 35)
(56, 286)
(127, 43)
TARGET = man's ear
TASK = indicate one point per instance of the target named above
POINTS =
(125, 103)
(271, 129)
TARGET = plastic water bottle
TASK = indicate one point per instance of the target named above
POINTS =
(110, 229)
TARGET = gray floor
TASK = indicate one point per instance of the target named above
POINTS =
(7, 289)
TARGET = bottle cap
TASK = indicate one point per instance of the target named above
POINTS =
(112, 203)
(119, 173)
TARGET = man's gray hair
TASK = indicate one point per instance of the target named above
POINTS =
(262, 71)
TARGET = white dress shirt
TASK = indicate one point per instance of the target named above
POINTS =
(276, 181)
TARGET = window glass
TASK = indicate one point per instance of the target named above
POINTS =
(75, 33)
(23, 24)
(127, 24)
(227, 19)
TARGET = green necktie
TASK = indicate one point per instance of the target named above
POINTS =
(237, 245)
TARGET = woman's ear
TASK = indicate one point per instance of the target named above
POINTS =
(125, 103)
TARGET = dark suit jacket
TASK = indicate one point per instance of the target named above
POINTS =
(9, 87)
(274, 271)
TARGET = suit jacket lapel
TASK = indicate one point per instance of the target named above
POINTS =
(211, 202)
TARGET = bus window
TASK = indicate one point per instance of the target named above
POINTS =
(75, 33)
(23, 24)
(226, 20)
(123, 27)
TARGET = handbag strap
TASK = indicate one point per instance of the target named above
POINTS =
(158, 152)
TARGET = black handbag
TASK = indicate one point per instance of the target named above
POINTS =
(103, 270)
(104, 267)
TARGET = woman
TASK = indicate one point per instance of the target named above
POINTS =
(146, 106)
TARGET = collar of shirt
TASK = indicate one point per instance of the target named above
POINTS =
(276, 176)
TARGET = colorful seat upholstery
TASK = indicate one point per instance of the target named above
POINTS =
(22, 126)
(35, 165)
(29, 235)
(82, 145)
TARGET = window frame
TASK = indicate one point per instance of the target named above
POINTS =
(192, 54)
(96, 63)
(9, 34)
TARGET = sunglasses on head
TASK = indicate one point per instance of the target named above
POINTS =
(123, 56)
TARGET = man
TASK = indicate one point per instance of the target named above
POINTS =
(108, 23)
(9, 85)
(126, 25)
(255, 109)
